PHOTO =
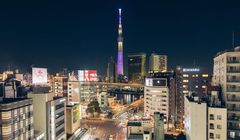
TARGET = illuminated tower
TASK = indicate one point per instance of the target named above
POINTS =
(120, 45)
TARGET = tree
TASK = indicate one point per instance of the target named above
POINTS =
(93, 107)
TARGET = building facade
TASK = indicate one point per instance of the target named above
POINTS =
(226, 73)
(136, 67)
(189, 80)
(204, 120)
(156, 97)
(16, 117)
(52, 121)
(111, 71)
(158, 63)
(60, 85)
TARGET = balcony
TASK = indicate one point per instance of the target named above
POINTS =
(233, 61)
(233, 99)
(233, 80)
(233, 89)
(234, 118)
(233, 109)
(234, 128)
(233, 71)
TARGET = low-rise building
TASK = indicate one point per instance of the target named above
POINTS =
(72, 119)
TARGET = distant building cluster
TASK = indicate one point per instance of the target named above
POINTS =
(186, 101)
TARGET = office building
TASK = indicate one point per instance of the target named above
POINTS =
(136, 67)
(189, 80)
(156, 97)
(51, 123)
(226, 73)
(120, 45)
(16, 117)
(60, 85)
(73, 92)
(171, 85)
(158, 63)
(111, 71)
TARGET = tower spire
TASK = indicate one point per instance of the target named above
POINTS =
(120, 44)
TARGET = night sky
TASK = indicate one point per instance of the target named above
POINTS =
(83, 34)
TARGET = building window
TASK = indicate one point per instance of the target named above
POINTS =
(211, 117)
(232, 135)
(218, 136)
(205, 75)
(211, 136)
(211, 126)
(219, 126)
(219, 117)
(185, 81)
(185, 75)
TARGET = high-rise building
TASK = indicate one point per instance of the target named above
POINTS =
(156, 97)
(52, 121)
(111, 70)
(16, 117)
(226, 73)
(136, 67)
(120, 45)
(189, 80)
(158, 62)
(171, 94)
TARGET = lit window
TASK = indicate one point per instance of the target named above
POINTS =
(196, 75)
(185, 75)
(196, 86)
(184, 86)
(185, 91)
(185, 81)
(205, 75)
(203, 86)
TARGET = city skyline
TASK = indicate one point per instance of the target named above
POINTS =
(67, 30)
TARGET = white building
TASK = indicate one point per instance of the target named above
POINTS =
(202, 122)
(195, 119)
(158, 62)
(156, 96)
(103, 99)
(49, 113)
(226, 73)
(217, 123)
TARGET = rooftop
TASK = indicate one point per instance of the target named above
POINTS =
(12, 100)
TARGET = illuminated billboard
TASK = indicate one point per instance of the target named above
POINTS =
(87, 75)
(155, 82)
(39, 75)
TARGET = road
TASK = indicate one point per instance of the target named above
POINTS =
(125, 109)
(102, 129)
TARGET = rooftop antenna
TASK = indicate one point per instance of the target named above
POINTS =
(194, 63)
(233, 37)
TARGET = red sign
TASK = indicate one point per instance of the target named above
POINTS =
(90, 75)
